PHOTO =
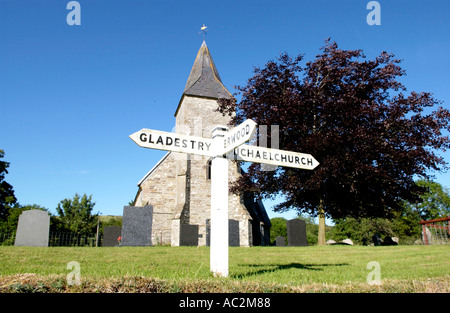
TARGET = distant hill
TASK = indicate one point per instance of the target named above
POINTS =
(111, 220)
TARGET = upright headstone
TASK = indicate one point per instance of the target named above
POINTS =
(233, 233)
(296, 232)
(188, 235)
(280, 241)
(376, 238)
(33, 229)
(137, 226)
(389, 242)
(111, 236)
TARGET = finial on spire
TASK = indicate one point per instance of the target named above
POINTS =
(203, 29)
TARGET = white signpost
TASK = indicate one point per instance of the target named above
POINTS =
(223, 142)
(218, 255)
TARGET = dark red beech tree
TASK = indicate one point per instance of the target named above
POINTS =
(352, 114)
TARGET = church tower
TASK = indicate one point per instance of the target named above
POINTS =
(179, 186)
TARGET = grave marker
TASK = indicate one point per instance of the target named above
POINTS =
(111, 235)
(280, 241)
(296, 232)
(188, 235)
(137, 226)
(33, 229)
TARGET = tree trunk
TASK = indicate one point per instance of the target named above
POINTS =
(321, 238)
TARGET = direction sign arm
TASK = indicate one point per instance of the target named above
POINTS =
(276, 157)
(238, 135)
(155, 139)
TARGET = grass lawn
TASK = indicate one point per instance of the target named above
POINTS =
(255, 269)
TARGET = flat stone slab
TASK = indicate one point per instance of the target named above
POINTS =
(137, 226)
(296, 232)
(33, 229)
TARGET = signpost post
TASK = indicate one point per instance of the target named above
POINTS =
(223, 142)
(219, 208)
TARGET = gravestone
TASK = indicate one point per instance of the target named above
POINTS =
(389, 242)
(347, 241)
(280, 241)
(188, 235)
(137, 226)
(111, 235)
(33, 229)
(296, 232)
(233, 233)
(377, 240)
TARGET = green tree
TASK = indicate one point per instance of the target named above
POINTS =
(8, 226)
(361, 230)
(7, 197)
(10, 223)
(75, 215)
(406, 225)
(278, 229)
(434, 203)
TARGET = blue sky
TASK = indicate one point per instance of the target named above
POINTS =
(71, 95)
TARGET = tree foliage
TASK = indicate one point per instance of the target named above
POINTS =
(434, 203)
(75, 215)
(278, 229)
(9, 225)
(7, 197)
(361, 230)
(355, 118)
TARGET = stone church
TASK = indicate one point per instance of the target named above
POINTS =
(179, 187)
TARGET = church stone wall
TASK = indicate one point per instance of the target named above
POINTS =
(179, 189)
(160, 189)
(198, 116)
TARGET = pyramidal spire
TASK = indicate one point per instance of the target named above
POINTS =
(204, 79)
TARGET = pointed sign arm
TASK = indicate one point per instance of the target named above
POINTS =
(155, 139)
(238, 136)
(274, 157)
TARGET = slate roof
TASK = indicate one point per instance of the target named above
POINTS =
(204, 79)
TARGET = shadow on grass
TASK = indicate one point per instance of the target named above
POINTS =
(260, 269)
